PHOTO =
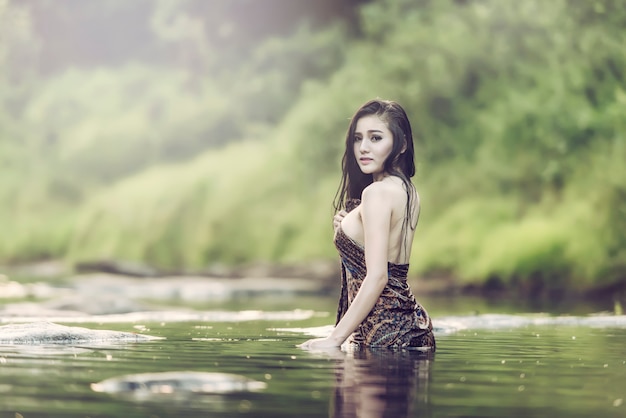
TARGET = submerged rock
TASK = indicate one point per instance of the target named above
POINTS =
(50, 333)
(147, 385)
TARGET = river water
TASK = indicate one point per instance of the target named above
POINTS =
(493, 360)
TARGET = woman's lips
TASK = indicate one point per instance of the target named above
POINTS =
(365, 161)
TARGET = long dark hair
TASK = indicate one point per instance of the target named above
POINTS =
(399, 163)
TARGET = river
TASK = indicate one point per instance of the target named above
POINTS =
(494, 359)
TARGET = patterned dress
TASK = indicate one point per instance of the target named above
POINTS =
(397, 319)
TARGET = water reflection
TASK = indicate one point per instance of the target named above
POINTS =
(381, 383)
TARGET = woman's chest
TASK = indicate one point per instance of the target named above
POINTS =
(352, 225)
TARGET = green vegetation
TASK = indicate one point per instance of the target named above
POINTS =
(519, 108)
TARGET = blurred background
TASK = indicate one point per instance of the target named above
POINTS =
(192, 135)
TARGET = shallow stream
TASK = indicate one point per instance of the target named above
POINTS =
(493, 360)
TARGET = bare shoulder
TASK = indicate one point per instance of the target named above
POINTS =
(391, 189)
(379, 194)
(391, 195)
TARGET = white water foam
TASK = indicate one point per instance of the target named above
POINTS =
(451, 324)
(50, 333)
(170, 316)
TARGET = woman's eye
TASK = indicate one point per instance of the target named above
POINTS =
(357, 138)
(376, 138)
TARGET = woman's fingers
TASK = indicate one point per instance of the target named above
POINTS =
(338, 218)
(307, 344)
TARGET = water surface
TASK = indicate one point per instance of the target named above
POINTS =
(492, 361)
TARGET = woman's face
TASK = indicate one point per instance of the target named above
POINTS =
(373, 143)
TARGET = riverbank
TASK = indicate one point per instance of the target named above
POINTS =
(124, 287)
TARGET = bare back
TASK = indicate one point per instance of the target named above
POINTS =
(400, 232)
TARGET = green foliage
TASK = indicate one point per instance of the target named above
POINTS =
(226, 207)
(517, 109)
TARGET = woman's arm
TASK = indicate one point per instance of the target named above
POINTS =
(376, 208)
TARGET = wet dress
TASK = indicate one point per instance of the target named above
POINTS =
(397, 319)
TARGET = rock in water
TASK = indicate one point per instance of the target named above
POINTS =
(50, 333)
(146, 385)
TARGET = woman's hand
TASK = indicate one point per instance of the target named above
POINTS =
(320, 344)
(338, 218)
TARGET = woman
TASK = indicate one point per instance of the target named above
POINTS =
(377, 208)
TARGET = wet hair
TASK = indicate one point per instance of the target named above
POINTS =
(399, 163)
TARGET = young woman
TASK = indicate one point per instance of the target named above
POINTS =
(377, 208)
